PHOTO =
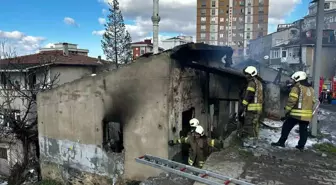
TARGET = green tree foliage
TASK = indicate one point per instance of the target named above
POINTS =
(116, 42)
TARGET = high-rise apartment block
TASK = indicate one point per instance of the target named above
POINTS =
(231, 22)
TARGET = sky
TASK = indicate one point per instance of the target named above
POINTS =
(27, 26)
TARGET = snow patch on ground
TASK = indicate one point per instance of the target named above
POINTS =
(3, 183)
(273, 135)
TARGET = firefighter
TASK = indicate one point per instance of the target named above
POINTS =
(251, 105)
(193, 124)
(299, 110)
(199, 146)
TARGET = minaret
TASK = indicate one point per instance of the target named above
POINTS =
(156, 20)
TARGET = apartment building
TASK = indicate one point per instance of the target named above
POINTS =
(71, 48)
(231, 22)
(142, 47)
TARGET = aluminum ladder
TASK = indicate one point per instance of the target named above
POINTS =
(187, 171)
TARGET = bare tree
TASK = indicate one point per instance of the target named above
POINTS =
(21, 81)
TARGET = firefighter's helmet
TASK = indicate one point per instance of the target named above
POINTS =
(199, 130)
(299, 76)
(251, 70)
(194, 122)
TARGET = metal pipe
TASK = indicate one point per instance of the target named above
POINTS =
(317, 56)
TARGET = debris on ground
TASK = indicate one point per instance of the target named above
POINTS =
(167, 179)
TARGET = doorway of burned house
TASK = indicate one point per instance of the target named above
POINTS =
(112, 136)
(186, 117)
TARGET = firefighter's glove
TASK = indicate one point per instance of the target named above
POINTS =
(171, 143)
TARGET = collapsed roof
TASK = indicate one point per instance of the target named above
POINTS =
(209, 58)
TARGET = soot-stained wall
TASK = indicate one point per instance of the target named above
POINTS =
(71, 116)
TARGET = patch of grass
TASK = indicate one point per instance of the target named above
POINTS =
(326, 147)
(48, 182)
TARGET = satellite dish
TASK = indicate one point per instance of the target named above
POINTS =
(266, 57)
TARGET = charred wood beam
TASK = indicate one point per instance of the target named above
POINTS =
(221, 72)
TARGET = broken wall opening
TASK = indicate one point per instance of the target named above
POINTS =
(113, 136)
(186, 128)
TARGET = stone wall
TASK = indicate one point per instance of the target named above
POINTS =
(70, 122)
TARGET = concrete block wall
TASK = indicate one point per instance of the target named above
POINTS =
(70, 122)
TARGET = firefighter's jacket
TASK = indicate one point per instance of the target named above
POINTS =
(253, 96)
(199, 148)
(301, 102)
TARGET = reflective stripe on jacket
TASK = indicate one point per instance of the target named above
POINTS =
(198, 151)
(301, 102)
(253, 96)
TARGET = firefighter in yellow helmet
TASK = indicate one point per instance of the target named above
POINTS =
(251, 105)
(199, 146)
(298, 110)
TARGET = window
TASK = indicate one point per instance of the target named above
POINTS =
(142, 51)
(233, 34)
(221, 3)
(248, 10)
(249, 2)
(221, 11)
(3, 153)
(234, 18)
(203, 19)
(213, 19)
(248, 35)
(241, 34)
(260, 34)
(213, 11)
(261, 2)
(221, 19)
(203, 11)
(221, 35)
(242, 11)
(233, 27)
(221, 27)
(284, 54)
(204, 3)
(275, 54)
(261, 18)
(202, 35)
(4, 80)
(261, 9)
(213, 4)
(221, 43)
(8, 117)
(248, 19)
(326, 5)
(213, 36)
(112, 136)
(31, 80)
(203, 27)
(213, 28)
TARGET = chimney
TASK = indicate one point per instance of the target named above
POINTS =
(65, 49)
(148, 41)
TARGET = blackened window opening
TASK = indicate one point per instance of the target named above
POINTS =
(113, 136)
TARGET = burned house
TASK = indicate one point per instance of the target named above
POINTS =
(92, 129)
